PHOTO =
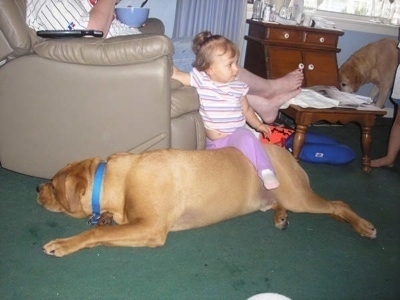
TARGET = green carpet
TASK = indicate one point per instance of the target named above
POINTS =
(315, 258)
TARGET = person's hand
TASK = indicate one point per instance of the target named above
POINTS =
(264, 129)
(93, 2)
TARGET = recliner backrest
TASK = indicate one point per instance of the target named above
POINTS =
(16, 38)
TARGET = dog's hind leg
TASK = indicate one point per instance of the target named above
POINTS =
(295, 194)
(312, 203)
(343, 212)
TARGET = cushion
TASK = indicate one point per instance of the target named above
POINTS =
(319, 148)
(184, 56)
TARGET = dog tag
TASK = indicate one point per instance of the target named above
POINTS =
(94, 219)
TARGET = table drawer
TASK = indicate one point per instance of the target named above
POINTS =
(284, 35)
(320, 39)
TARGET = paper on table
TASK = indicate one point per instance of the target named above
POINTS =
(328, 97)
(309, 98)
(369, 107)
(349, 100)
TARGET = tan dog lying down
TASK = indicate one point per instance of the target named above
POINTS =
(151, 194)
(374, 63)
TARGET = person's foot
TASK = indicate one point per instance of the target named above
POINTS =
(382, 162)
(268, 88)
(290, 82)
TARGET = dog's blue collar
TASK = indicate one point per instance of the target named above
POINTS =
(96, 191)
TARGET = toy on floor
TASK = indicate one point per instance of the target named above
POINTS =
(278, 136)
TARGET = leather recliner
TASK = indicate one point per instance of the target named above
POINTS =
(63, 100)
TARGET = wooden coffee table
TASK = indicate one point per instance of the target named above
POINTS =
(304, 117)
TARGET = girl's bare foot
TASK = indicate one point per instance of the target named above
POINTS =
(384, 161)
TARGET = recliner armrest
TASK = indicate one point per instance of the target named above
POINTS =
(184, 99)
(113, 51)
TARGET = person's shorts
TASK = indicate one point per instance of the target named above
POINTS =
(396, 101)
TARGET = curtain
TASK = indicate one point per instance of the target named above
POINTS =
(218, 16)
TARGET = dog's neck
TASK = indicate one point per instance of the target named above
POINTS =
(96, 193)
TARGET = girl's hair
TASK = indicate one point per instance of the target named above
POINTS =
(205, 45)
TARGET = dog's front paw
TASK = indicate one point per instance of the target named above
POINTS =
(58, 248)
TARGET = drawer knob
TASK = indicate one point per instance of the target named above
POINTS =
(321, 39)
(301, 66)
(286, 35)
(311, 67)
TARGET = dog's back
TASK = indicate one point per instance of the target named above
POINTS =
(183, 175)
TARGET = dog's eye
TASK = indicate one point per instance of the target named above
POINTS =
(342, 84)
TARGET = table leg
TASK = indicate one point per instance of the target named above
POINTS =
(298, 140)
(366, 139)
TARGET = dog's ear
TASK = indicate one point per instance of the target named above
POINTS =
(357, 81)
(75, 188)
(72, 184)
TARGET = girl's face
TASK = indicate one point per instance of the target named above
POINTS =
(223, 68)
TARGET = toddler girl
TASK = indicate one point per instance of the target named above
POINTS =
(223, 102)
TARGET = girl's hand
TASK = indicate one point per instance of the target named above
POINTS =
(183, 77)
(264, 129)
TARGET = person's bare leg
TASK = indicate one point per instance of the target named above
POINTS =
(393, 147)
(268, 109)
(266, 96)
(269, 88)
(101, 16)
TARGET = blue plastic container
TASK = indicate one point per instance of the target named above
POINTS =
(132, 16)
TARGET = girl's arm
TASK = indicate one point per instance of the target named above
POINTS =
(253, 120)
(183, 77)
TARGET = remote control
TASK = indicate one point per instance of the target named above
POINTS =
(68, 33)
